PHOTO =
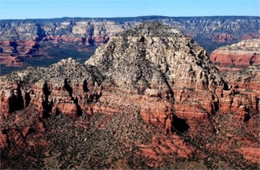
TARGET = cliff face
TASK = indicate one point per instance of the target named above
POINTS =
(237, 56)
(86, 28)
(210, 32)
(150, 97)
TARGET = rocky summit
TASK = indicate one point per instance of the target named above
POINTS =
(149, 98)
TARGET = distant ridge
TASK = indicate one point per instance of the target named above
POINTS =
(205, 29)
(125, 18)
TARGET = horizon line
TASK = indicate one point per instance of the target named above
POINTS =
(66, 17)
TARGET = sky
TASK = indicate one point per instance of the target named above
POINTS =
(23, 9)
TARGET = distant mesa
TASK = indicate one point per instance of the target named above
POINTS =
(237, 56)
(222, 38)
(251, 36)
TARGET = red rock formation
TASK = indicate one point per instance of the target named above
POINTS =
(237, 56)
(3, 140)
(11, 61)
(245, 90)
(14, 52)
(61, 38)
(101, 39)
(251, 154)
(196, 100)
(162, 146)
(250, 36)
(221, 38)
(98, 40)
(166, 77)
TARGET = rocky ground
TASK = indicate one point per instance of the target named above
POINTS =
(149, 98)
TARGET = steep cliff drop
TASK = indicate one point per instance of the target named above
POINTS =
(149, 98)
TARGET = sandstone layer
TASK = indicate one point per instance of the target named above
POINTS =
(237, 56)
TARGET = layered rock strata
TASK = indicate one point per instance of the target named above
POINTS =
(237, 56)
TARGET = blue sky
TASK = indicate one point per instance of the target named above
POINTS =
(21, 9)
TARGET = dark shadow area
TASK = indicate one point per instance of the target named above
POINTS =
(142, 40)
(215, 104)
(247, 117)
(14, 45)
(180, 125)
(47, 107)
(225, 86)
(45, 90)
(91, 42)
(67, 87)
(16, 102)
(40, 33)
(79, 110)
(27, 99)
(83, 40)
(251, 62)
(85, 86)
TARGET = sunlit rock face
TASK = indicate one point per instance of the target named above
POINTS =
(237, 56)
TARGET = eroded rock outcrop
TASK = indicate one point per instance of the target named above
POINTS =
(59, 88)
(221, 38)
(161, 66)
(246, 82)
(237, 56)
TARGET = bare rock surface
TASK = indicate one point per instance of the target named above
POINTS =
(237, 56)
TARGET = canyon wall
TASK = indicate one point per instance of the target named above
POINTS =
(219, 29)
